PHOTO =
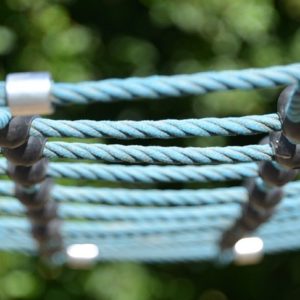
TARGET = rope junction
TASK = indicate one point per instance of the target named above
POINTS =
(143, 224)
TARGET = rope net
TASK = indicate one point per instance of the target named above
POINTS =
(141, 223)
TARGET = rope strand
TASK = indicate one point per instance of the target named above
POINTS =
(165, 129)
(147, 174)
(156, 87)
(157, 154)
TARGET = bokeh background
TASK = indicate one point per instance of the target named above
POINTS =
(93, 39)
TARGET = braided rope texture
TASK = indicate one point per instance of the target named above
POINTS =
(157, 154)
(164, 129)
(147, 174)
(150, 197)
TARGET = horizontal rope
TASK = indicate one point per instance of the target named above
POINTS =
(134, 236)
(144, 197)
(147, 174)
(149, 197)
(108, 252)
(157, 154)
(193, 252)
(152, 174)
(9, 207)
(165, 129)
(117, 231)
(22, 227)
(273, 241)
(156, 87)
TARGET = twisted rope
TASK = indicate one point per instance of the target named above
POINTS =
(154, 241)
(147, 174)
(147, 231)
(156, 87)
(157, 154)
(285, 219)
(143, 197)
(154, 197)
(186, 252)
(9, 207)
(152, 174)
(164, 129)
(150, 197)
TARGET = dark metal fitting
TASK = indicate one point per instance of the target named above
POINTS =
(50, 251)
(253, 218)
(290, 129)
(230, 237)
(286, 153)
(258, 214)
(268, 171)
(52, 246)
(283, 100)
(276, 176)
(43, 215)
(28, 153)
(16, 132)
(264, 199)
(54, 242)
(45, 232)
(28, 176)
(36, 198)
(248, 224)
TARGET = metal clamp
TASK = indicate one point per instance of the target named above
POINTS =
(29, 93)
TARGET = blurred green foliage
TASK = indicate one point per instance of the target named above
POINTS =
(93, 39)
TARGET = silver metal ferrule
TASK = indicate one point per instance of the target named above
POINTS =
(29, 93)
